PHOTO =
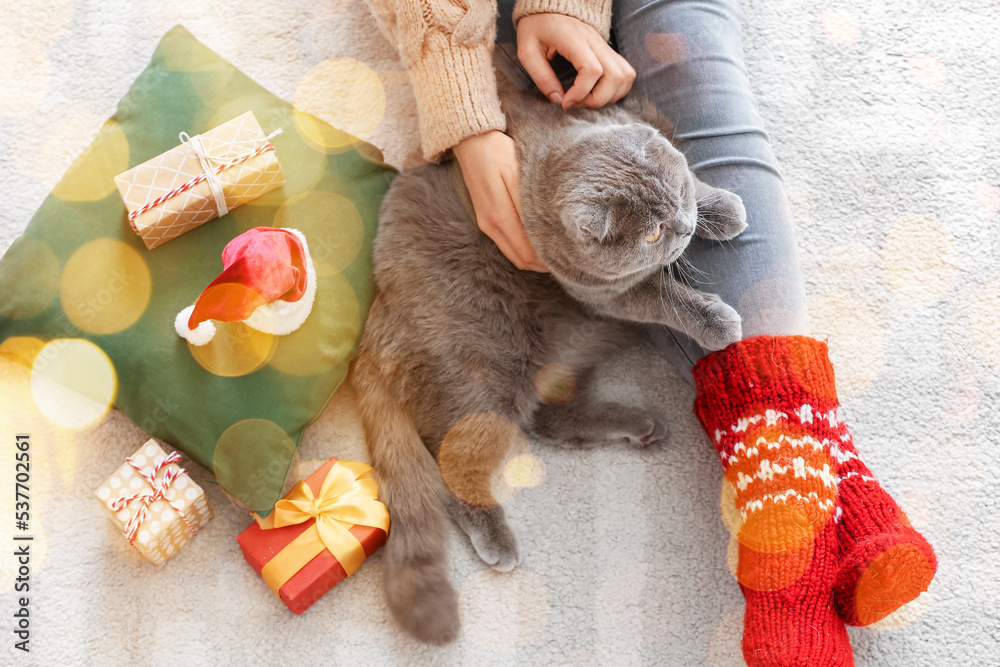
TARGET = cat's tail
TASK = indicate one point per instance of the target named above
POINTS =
(410, 484)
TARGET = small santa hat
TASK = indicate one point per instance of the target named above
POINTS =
(268, 282)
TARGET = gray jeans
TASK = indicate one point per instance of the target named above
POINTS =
(688, 57)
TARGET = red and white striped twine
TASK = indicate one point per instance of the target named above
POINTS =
(196, 180)
(148, 496)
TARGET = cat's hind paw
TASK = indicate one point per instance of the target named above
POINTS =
(490, 535)
(650, 431)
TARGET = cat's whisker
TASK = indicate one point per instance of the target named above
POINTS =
(685, 263)
(673, 306)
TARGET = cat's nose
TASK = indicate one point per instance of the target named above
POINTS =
(687, 225)
(684, 228)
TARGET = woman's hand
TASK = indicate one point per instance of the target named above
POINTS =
(602, 75)
(490, 168)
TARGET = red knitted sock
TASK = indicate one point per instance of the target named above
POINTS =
(785, 493)
(884, 562)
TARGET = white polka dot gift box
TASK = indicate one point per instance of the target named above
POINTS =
(155, 502)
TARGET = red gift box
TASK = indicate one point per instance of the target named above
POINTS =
(261, 544)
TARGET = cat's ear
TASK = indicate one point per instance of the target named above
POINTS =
(585, 223)
(660, 151)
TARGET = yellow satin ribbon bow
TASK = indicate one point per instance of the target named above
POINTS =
(348, 497)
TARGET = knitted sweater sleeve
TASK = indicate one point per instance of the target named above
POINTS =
(447, 48)
(595, 13)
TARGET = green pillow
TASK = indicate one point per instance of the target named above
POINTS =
(88, 306)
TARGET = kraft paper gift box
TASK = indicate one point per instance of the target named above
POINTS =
(155, 503)
(204, 177)
(307, 544)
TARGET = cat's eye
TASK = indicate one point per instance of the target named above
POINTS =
(654, 235)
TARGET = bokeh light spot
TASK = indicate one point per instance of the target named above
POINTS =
(66, 458)
(898, 573)
(473, 453)
(345, 93)
(26, 298)
(771, 308)
(321, 136)
(857, 343)
(21, 349)
(802, 203)
(328, 334)
(91, 176)
(921, 259)
(251, 461)
(987, 199)
(310, 159)
(733, 555)
(105, 286)
(637, 606)
(903, 616)
(668, 48)
(38, 23)
(332, 225)
(732, 519)
(521, 596)
(228, 107)
(25, 75)
(524, 470)
(785, 494)
(984, 319)
(602, 655)
(73, 383)
(772, 571)
(842, 26)
(555, 383)
(968, 362)
(981, 566)
(929, 72)
(235, 350)
(960, 402)
(211, 82)
(52, 154)
(725, 647)
(939, 493)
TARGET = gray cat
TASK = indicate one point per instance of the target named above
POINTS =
(456, 337)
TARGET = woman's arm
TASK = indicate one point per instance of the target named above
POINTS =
(447, 48)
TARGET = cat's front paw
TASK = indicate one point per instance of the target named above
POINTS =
(721, 326)
(721, 216)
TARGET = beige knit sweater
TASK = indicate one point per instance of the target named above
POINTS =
(447, 46)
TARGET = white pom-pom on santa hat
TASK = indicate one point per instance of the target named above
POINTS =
(268, 282)
(200, 335)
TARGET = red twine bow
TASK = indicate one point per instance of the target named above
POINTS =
(156, 491)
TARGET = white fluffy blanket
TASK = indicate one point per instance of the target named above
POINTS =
(884, 116)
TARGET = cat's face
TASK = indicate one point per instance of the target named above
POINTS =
(625, 198)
